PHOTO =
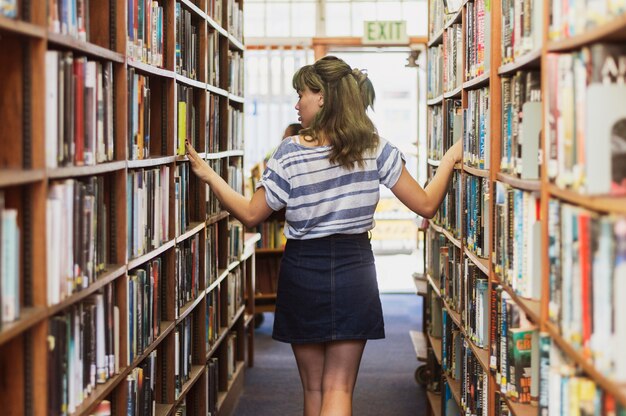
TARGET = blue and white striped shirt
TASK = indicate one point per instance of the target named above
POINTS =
(324, 199)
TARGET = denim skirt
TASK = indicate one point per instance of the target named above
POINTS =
(327, 290)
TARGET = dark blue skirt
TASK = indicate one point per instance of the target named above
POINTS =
(327, 290)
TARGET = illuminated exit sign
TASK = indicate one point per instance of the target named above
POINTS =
(386, 32)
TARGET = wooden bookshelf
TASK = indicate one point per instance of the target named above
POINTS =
(505, 64)
(30, 171)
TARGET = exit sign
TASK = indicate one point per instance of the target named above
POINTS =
(385, 32)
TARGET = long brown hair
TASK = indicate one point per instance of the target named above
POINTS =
(342, 120)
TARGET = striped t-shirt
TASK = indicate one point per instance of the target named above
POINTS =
(324, 199)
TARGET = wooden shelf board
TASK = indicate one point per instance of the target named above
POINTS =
(477, 82)
(418, 339)
(150, 162)
(216, 26)
(520, 409)
(455, 93)
(74, 171)
(482, 264)
(435, 101)
(436, 39)
(216, 90)
(190, 82)
(480, 353)
(194, 375)
(138, 261)
(237, 380)
(266, 251)
(150, 69)
(85, 47)
(436, 227)
(213, 218)
(434, 162)
(615, 388)
(454, 19)
(264, 308)
(455, 388)
(194, 228)
(613, 205)
(189, 307)
(531, 59)
(195, 9)
(421, 284)
(614, 30)
(531, 307)
(31, 316)
(515, 182)
(223, 331)
(435, 344)
(451, 238)
(19, 27)
(163, 409)
(236, 44)
(236, 98)
(454, 315)
(247, 319)
(433, 284)
(483, 173)
(268, 296)
(434, 399)
(16, 177)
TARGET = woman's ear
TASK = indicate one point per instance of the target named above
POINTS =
(320, 100)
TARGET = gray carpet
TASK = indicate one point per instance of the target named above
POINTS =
(385, 385)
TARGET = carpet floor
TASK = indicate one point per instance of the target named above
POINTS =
(385, 386)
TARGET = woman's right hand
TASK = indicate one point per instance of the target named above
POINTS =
(455, 152)
(198, 166)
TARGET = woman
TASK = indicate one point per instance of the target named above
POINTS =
(328, 179)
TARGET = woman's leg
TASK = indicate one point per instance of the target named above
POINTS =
(310, 360)
(341, 366)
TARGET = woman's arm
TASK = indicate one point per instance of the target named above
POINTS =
(425, 202)
(249, 212)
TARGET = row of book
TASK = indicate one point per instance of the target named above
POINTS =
(440, 13)
(187, 272)
(235, 73)
(522, 28)
(513, 348)
(79, 110)
(181, 198)
(521, 124)
(186, 117)
(235, 129)
(139, 121)
(517, 240)
(186, 60)
(68, 17)
(212, 318)
(83, 350)
(272, 234)
(235, 241)
(453, 57)
(9, 263)
(436, 148)
(235, 287)
(475, 289)
(587, 258)
(213, 205)
(77, 221)
(575, 17)
(147, 209)
(434, 69)
(145, 290)
(210, 254)
(477, 39)
(141, 388)
(586, 98)
(477, 129)
(145, 38)
(477, 229)
(213, 76)
(8, 8)
(183, 353)
(234, 14)
(449, 214)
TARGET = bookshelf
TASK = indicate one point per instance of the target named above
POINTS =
(524, 256)
(125, 287)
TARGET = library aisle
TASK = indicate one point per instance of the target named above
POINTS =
(385, 386)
